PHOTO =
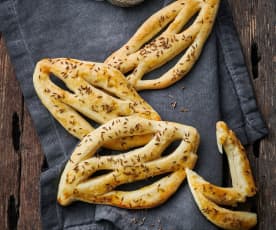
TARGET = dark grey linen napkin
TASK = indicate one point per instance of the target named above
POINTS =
(218, 87)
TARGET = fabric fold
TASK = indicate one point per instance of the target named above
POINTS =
(218, 87)
(51, 218)
(252, 126)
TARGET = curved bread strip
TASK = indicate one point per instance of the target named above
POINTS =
(224, 218)
(148, 197)
(140, 55)
(242, 178)
(138, 164)
(95, 90)
(207, 196)
(219, 195)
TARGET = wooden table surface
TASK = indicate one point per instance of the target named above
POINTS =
(21, 158)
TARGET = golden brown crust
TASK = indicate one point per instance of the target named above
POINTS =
(207, 195)
(141, 56)
(219, 195)
(241, 174)
(96, 91)
(138, 164)
(224, 218)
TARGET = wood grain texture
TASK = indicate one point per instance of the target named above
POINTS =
(255, 21)
(21, 156)
(10, 167)
(31, 161)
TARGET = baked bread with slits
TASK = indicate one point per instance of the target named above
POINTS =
(161, 38)
(208, 196)
(78, 183)
(95, 91)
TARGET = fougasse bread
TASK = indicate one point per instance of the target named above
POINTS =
(95, 91)
(78, 183)
(161, 37)
(208, 196)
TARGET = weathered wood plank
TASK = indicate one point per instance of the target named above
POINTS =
(255, 21)
(21, 156)
(31, 162)
(10, 129)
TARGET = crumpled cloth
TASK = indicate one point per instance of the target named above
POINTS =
(217, 88)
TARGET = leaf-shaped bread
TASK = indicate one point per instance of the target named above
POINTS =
(77, 181)
(95, 90)
(163, 36)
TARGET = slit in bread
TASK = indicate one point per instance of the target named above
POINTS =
(96, 91)
(160, 38)
(77, 181)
